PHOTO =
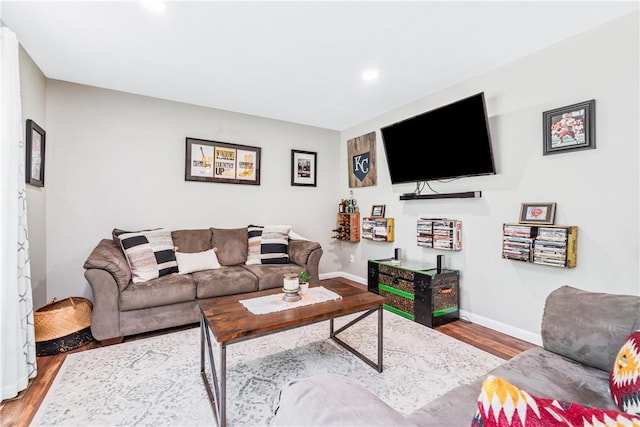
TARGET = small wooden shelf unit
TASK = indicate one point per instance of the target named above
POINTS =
(554, 245)
(440, 233)
(348, 228)
(380, 229)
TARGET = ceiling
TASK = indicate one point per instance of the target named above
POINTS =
(296, 61)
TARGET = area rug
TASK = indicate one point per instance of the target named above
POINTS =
(156, 381)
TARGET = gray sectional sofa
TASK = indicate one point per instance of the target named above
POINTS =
(122, 307)
(581, 331)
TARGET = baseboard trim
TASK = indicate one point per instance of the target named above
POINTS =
(345, 276)
(502, 327)
(474, 318)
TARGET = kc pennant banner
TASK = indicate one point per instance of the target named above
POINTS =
(362, 161)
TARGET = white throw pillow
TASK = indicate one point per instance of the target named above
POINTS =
(198, 261)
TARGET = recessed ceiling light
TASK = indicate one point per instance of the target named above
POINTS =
(370, 75)
(154, 5)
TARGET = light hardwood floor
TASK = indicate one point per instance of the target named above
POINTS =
(21, 410)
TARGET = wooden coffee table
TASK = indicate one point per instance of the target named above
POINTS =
(230, 322)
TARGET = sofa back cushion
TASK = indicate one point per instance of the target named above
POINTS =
(192, 241)
(150, 254)
(230, 245)
(588, 327)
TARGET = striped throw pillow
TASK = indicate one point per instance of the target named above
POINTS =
(268, 244)
(150, 254)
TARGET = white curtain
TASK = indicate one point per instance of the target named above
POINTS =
(17, 333)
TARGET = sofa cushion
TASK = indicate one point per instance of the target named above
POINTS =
(272, 275)
(589, 327)
(230, 245)
(164, 290)
(197, 261)
(625, 376)
(501, 404)
(190, 241)
(150, 254)
(268, 244)
(224, 281)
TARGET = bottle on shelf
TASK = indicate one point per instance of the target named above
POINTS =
(352, 204)
(336, 233)
(341, 206)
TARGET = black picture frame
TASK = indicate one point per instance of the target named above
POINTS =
(377, 211)
(304, 168)
(569, 128)
(543, 213)
(223, 162)
(34, 148)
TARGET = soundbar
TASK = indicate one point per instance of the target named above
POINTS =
(464, 195)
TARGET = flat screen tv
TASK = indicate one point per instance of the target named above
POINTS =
(451, 141)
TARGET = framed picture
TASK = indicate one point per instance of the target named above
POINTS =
(304, 166)
(377, 211)
(570, 128)
(213, 161)
(34, 167)
(537, 213)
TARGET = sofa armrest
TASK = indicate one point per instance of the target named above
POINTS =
(307, 254)
(105, 315)
(332, 400)
(108, 256)
(588, 327)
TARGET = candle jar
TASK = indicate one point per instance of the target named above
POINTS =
(291, 282)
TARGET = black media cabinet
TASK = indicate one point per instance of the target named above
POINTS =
(417, 292)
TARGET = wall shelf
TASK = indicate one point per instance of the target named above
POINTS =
(380, 229)
(554, 245)
(440, 233)
(463, 195)
(348, 228)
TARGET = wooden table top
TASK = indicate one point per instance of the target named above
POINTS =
(230, 321)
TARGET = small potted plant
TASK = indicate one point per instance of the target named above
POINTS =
(303, 278)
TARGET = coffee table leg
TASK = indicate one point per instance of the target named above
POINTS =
(380, 339)
(222, 403)
(217, 396)
(365, 359)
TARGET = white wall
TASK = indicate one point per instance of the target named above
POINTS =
(32, 90)
(118, 160)
(597, 190)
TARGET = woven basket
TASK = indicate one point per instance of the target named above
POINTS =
(63, 325)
